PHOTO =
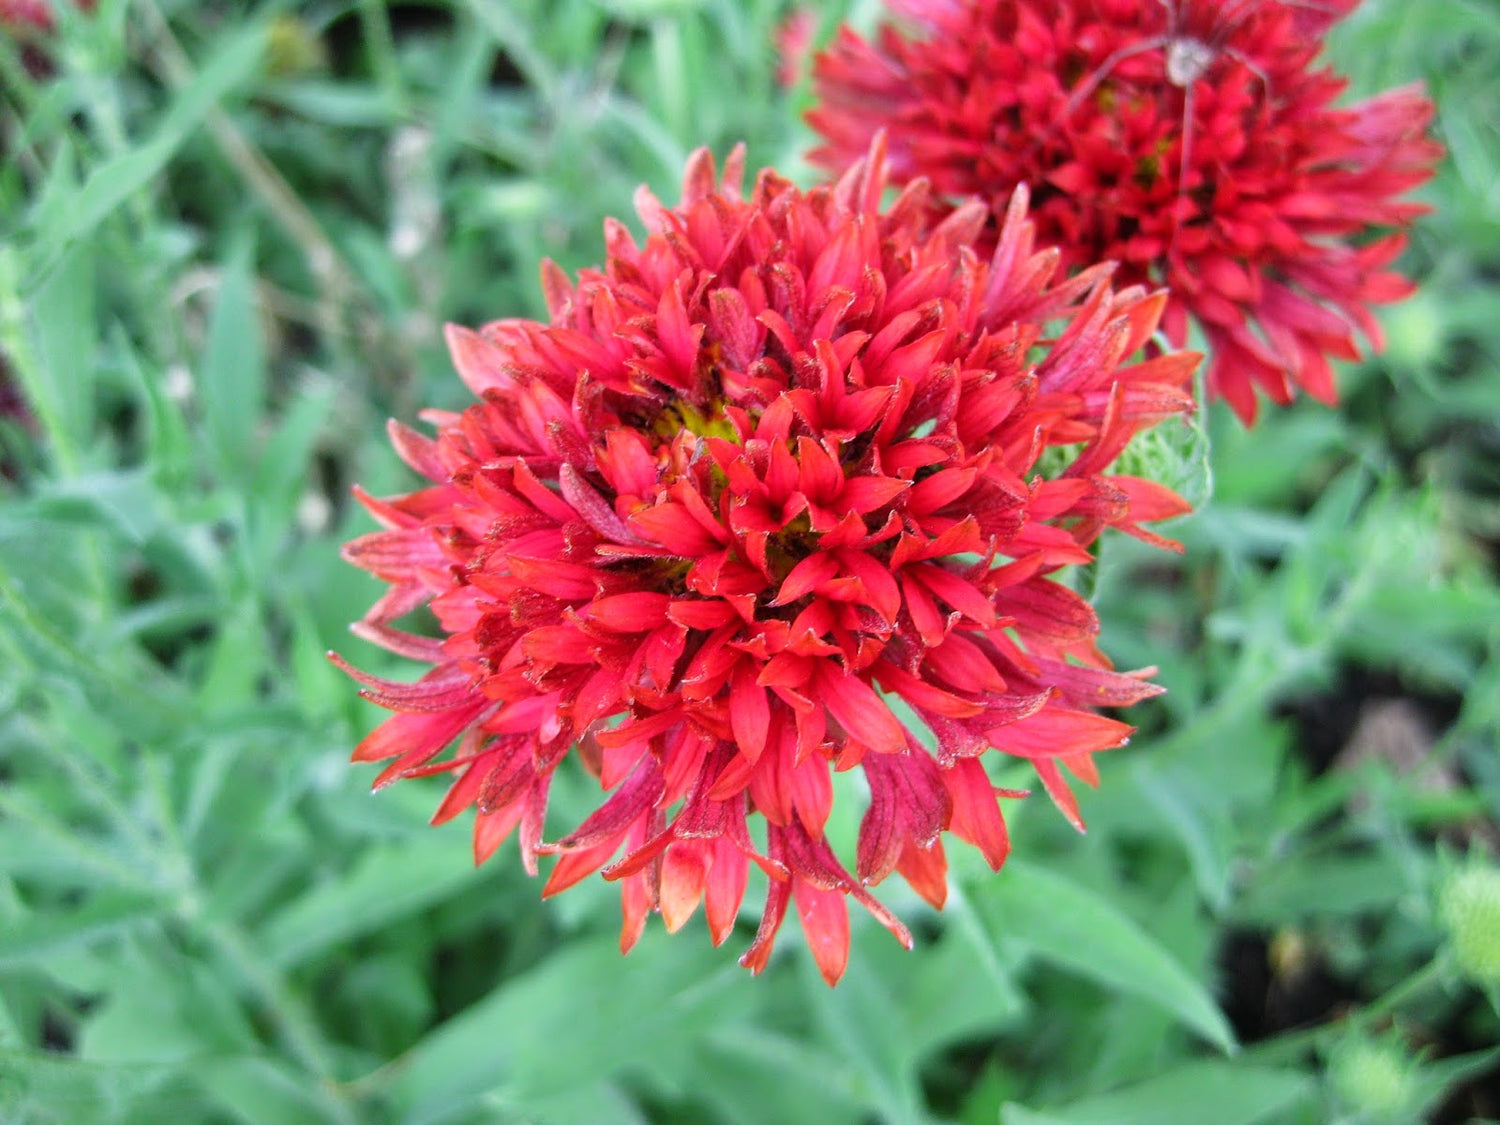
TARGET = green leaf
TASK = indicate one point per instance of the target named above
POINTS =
(855, 1018)
(1077, 930)
(1013, 1114)
(124, 501)
(1435, 1080)
(169, 444)
(955, 992)
(588, 1103)
(1322, 885)
(386, 883)
(114, 181)
(163, 1008)
(62, 380)
(45, 934)
(283, 470)
(52, 1088)
(232, 378)
(1198, 1092)
(257, 1091)
(753, 1075)
(582, 1011)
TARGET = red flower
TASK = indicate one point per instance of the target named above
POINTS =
(1192, 141)
(794, 40)
(31, 23)
(21, 15)
(760, 505)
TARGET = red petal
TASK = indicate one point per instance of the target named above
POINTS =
(727, 876)
(825, 922)
(749, 710)
(976, 811)
(684, 871)
(926, 871)
(1056, 732)
(860, 710)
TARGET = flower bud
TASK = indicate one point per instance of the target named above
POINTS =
(1373, 1079)
(1469, 907)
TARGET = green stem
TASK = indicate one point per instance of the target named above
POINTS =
(293, 1023)
(336, 281)
(1285, 1048)
(381, 45)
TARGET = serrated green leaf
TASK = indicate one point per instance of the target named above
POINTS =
(1078, 930)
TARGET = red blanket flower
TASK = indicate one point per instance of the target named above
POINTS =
(1193, 141)
(761, 504)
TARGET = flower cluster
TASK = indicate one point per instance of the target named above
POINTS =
(1194, 142)
(762, 503)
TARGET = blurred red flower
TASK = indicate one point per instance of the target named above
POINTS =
(1193, 141)
(764, 502)
(31, 24)
(21, 15)
(794, 41)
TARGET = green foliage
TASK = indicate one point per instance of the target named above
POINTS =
(229, 234)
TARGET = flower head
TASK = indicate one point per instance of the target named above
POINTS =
(32, 25)
(760, 505)
(794, 40)
(1192, 141)
(1469, 909)
(35, 15)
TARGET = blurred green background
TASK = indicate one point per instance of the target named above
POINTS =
(229, 234)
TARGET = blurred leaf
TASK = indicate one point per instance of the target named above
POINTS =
(163, 1007)
(168, 441)
(1013, 1114)
(386, 883)
(1295, 888)
(754, 1075)
(947, 998)
(62, 381)
(116, 180)
(1078, 930)
(581, 1011)
(51, 1088)
(123, 501)
(343, 105)
(258, 1091)
(232, 376)
(855, 1017)
(236, 661)
(587, 1103)
(1199, 1092)
(284, 470)
(1435, 1080)
(46, 934)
